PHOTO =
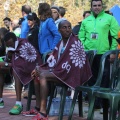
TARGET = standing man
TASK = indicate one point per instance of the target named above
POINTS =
(26, 9)
(62, 12)
(94, 36)
(76, 28)
(56, 14)
(7, 23)
(15, 28)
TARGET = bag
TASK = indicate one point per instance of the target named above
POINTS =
(54, 110)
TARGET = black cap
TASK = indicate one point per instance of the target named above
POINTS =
(56, 8)
(32, 16)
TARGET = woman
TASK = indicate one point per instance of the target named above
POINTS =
(48, 34)
(33, 23)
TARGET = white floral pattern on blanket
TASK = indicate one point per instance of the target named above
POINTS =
(28, 52)
(77, 54)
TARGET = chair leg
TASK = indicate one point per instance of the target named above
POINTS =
(51, 97)
(105, 109)
(62, 103)
(91, 108)
(113, 108)
(80, 105)
(30, 92)
(73, 104)
(118, 117)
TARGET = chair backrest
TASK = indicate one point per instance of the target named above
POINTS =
(115, 76)
(117, 87)
(90, 55)
(45, 56)
(102, 64)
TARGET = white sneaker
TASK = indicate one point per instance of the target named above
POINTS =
(9, 86)
(101, 111)
(85, 110)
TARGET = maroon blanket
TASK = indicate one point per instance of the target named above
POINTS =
(24, 60)
(72, 68)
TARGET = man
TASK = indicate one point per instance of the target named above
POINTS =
(7, 23)
(62, 12)
(22, 58)
(56, 14)
(76, 28)
(8, 81)
(26, 9)
(64, 67)
(15, 28)
(94, 36)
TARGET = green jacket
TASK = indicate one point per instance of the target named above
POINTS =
(101, 25)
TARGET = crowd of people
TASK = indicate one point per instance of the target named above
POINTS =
(23, 42)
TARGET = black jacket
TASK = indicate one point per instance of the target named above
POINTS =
(33, 36)
(76, 28)
(2, 48)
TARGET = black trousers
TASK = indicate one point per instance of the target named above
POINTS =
(95, 70)
(105, 78)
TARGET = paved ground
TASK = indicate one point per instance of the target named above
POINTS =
(9, 99)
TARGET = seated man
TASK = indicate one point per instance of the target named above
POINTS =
(22, 58)
(67, 64)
